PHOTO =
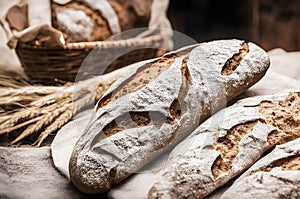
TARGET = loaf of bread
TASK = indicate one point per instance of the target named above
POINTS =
(228, 143)
(276, 175)
(79, 22)
(90, 20)
(158, 104)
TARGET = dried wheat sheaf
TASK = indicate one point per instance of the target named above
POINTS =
(27, 110)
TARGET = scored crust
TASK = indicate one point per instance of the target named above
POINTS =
(283, 115)
(276, 175)
(135, 121)
(227, 144)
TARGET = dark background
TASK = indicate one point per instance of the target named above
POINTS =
(269, 23)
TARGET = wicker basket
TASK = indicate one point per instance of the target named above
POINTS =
(46, 65)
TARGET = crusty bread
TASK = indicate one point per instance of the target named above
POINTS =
(79, 22)
(227, 144)
(85, 21)
(158, 104)
(276, 175)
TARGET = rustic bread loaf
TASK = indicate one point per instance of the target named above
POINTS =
(88, 20)
(228, 143)
(158, 104)
(138, 185)
(79, 22)
(276, 175)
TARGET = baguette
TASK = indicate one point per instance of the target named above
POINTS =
(277, 175)
(158, 104)
(228, 143)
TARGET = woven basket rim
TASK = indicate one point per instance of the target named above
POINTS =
(99, 44)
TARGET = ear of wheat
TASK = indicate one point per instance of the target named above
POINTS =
(43, 110)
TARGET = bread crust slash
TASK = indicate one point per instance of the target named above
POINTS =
(228, 143)
(158, 104)
(277, 175)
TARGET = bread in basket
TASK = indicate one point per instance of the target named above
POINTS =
(61, 39)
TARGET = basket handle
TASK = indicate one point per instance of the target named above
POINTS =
(154, 40)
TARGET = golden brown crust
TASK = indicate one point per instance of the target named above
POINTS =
(101, 30)
(228, 146)
(284, 115)
(181, 95)
(140, 79)
(290, 163)
(127, 16)
(276, 175)
(232, 64)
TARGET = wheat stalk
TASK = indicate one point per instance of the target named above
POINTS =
(9, 82)
(45, 120)
(29, 91)
(57, 124)
(23, 114)
(44, 109)
(13, 128)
